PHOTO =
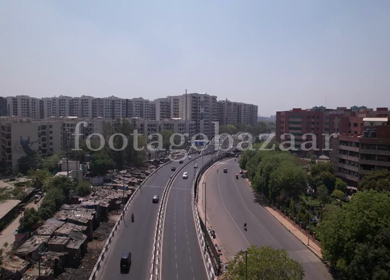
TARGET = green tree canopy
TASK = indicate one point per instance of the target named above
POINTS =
(83, 189)
(355, 238)
(377, 180)
(264, 263)
(338, 194)
(28, 220)
(340, 185)
(27, 162)
(319, 167)
(322, 194)
(100, 164)
(51, 162)
(39, 177)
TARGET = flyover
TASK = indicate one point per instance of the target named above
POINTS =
(137, 237)
(231, 203)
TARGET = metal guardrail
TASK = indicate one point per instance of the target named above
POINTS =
(100, 260)
(211, 266)
(157, 244)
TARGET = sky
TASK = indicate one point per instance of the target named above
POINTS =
(276, 54)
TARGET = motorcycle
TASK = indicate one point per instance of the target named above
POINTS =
(245, 227)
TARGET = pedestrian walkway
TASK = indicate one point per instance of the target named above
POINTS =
(296, 232)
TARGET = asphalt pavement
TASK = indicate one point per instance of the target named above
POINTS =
(181, 254)
(231, 203)
(137, 237)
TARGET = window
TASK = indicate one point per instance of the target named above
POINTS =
(355, 125)
(326, 123)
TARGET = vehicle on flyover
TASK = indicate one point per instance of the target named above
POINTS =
(185, 175)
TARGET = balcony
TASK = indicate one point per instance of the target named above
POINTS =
(349, 148)
(351, 158)
(347, 176)
(374, 162)
(349, 167)
(375, 152)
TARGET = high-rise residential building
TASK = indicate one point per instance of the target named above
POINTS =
(198, 107)
(163, 109)
(353, 156)
(152, 111)
(175, 106)
(237, 113)
(3, 107)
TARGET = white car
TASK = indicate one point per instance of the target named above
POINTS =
(189, 157)
(185, 175)
(195, 165)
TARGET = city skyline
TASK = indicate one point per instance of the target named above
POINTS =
(278, 55)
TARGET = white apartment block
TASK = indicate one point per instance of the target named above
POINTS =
(201, 108)
(163, 109)
(237, 113)
(147, 127)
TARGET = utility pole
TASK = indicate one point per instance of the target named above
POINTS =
(246, 265)
(205, 206)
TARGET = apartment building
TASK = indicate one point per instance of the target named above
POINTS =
(199, 107)
(148, 127)
(320, 120)
(163, 109)
(21, 137)
(236, 113)
(3, 107)
(353, 156)
(24, 136)
(175, 106)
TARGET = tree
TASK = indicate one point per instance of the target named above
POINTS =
(83, 189)
(340, 185)
(39, 177)
(55, 195)
(355, 238)
(100, 164)
(319, 167)
(293, 209)
(338, 194)
(329, 180)
(377, 180)
(65, 184)
(310, 155)
(27, 162)
(28, 220)
(51, 162)
(322, 194)
(264, 263)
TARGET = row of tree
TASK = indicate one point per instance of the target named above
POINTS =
(355, 236)
(57, 190)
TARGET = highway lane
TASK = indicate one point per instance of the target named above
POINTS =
(231, 203)
(137, 237)
(181, 254)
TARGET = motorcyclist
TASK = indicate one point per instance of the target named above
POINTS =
(245, 226)
(132, 217)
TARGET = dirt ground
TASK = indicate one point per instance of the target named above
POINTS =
(94, 249)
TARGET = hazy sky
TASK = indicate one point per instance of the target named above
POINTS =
(276, 54)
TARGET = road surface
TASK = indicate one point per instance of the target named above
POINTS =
(137, 237)
(181, 255)
(231, 203)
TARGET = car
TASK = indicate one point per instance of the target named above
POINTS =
(185, 175)
(236, 176)
(212, 233)
(125, 262)
(155, 199)
(225, 170)
(240, 171)
(173, 168)
(189, 157)
(180, 161)
(195, 165)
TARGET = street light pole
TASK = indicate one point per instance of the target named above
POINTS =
(205, 206)
(246, 265)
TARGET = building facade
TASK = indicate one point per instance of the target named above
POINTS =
(353, 156)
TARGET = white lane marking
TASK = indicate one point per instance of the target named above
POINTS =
(189, 251)
(190, 259)
(239, 229)
(235, 184)
(175, 256)
(192, 268)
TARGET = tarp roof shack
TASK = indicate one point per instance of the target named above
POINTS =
(13, 267)
(33, 246)
(77, 239)
(67, 228)
(49, 227)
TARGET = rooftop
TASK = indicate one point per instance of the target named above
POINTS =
(67, 228)
(76, 240)
(49, 227)
(14, 264)
(58, 240)
(32, 244)
(6, 206)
